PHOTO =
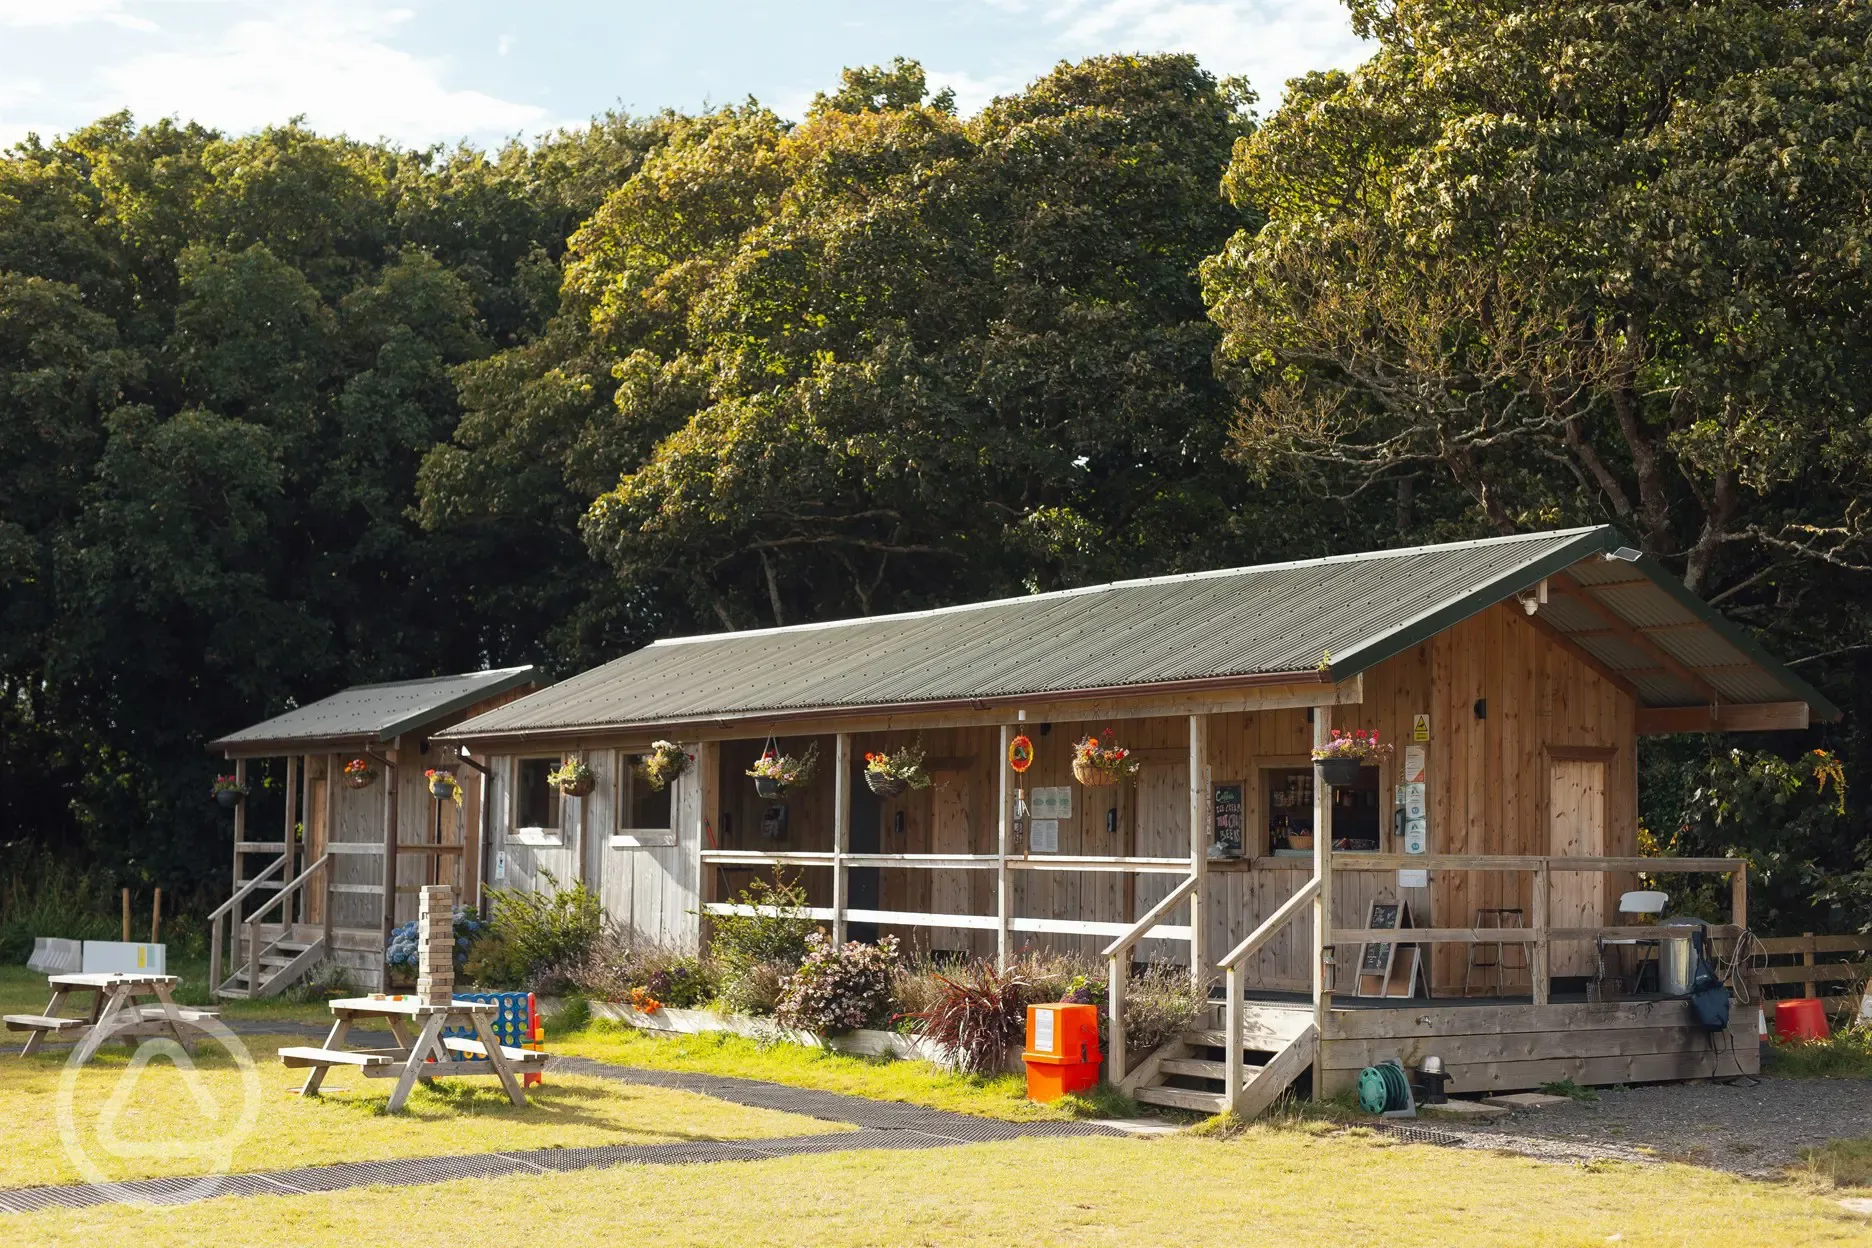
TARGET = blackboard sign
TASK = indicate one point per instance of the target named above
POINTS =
(1229, 819)
(1377, 959)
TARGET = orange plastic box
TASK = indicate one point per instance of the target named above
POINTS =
(1062, 1053)
(1803, 1018)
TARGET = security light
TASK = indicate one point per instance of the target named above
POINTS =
(1625, 554)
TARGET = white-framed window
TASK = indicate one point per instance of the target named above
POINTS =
(645, 815)
(537, 803)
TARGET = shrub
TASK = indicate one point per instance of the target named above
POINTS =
(492, 963)
(1160, 1003)
(981, 1010)
(754, 988)
(679, 980)
(1063, 977)
(60, 902)
(747, 946)
(839, 987)
(549, 931)
(405, 951)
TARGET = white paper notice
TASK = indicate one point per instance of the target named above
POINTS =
(1414, 764)
(1043, 836)
(1407, 878)
(1052, 802)
(1043, 1031)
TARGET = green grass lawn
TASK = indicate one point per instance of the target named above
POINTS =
(1264, 1187)
(884, 1079)
(161, 1121)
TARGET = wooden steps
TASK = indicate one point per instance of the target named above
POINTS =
(1182, 1098)
(1190, 1073)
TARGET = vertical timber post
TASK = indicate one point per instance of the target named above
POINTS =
(1322, 871)
(327, 819)
(1004, 884)
(289, 823)
(841, 835)
(1199, 843)
(1738, 897)
(393, 775)
(1541, 964)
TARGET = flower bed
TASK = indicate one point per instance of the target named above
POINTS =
(863, 1042)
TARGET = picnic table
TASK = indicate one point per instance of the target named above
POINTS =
(117, 1008)
(431, 1054)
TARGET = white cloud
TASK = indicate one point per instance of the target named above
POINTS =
(973, 93)
(1269, 40)
(70, 13)
(333, 62)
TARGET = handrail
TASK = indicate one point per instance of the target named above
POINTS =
(1274, 922)
(249, 887)
(1156, 912)
(288, 889)
(1232, 1069)
(1120, 971)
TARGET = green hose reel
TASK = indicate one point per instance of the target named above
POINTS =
(1383, 1089)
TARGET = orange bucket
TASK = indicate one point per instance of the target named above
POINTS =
(1803, 1018)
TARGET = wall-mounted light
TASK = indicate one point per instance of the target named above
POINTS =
(1481, 708)
(1534, 599)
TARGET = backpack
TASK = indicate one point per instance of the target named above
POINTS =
(1709, 996)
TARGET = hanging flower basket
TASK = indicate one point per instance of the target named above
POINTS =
(663, 764)
(1340, 759)
(1100, 760)
(896, 772)
(574, 777)
(359, 774)
(774, 773)
(228, 791)
(442, 785)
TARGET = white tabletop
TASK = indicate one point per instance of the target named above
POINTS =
(111, 979)
(408, 1003)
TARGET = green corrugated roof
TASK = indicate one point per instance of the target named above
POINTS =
(366, 714)
(1242, 623)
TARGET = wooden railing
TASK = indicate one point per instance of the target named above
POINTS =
(254, 922)
(1539, 934)
(1231, 966)
(230, 910)
(1119, 974)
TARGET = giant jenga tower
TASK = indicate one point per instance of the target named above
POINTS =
(435, 925)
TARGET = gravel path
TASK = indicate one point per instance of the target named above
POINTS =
(1745, 1130)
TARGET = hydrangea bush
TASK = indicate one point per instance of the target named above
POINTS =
(839, 987)
(405, 951)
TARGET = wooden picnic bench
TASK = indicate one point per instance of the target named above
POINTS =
(428, 1055)
(117, 1008)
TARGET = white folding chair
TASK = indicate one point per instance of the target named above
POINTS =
(1639, 903)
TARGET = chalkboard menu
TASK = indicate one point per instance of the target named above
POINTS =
(1377, 959)
(1228, 819)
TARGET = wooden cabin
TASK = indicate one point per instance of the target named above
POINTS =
(1512, 676)
(355, 843)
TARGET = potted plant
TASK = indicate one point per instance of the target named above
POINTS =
(774, 773)
(442, 784)
(1099, 759)
(665, 761)
(574, 777)
(359, 774)
(1341, 757)
(894, 771)
(228, 790)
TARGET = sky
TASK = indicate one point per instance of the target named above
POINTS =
(424, 72)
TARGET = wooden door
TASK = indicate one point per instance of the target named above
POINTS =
(1576, 822)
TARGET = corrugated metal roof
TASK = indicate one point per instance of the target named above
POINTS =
(372, 713)
(1233, 624)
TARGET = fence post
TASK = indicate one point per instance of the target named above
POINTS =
(1738, 897)
(1199, 841)
(1116, 981)
(1807, 959)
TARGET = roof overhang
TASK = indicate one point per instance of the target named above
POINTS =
(255, 742)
